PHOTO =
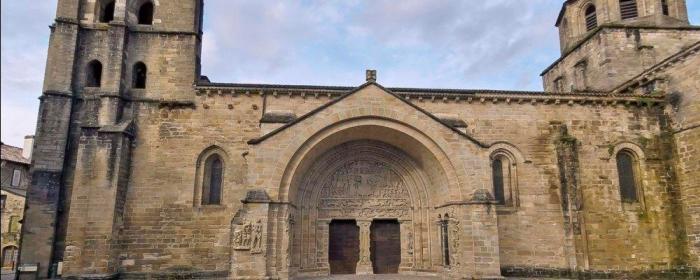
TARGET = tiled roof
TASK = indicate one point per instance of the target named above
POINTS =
(13, 154)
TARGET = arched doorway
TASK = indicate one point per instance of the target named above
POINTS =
(374, 187)
(9, 257)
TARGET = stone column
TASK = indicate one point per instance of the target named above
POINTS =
(364, 265)
(322, 232)
(407, 245)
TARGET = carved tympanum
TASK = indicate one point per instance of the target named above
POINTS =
(364, 188)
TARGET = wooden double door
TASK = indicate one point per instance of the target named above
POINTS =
(344, 246)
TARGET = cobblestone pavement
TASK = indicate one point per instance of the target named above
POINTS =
(8, 276)
(376, 277)
(395, 277)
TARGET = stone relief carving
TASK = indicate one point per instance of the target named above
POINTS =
(248, 236)
(256, 247)
(242, 236)
(410, 243)
(454, 236)
(287, 229)
(364, 242)
(364, 188)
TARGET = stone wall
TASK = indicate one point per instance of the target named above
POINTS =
(613, 55)
(120, 170)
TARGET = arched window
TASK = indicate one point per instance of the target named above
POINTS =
(627, 174)
(591, 18)
(503, 172)
(9, 257)
(107, 12)
(628, 9)
(146, 13)
(93, 77)
(498, 188)
(212, 180)
(139, 75)
(664, 7)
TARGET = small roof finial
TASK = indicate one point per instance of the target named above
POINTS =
(371, 75)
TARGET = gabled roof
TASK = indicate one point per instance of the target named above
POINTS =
(334, 101)
(13, 154)
(562, 11)
(15, 191)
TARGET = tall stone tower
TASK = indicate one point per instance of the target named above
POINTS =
(106, 57)
(642, 48)
(607, 42)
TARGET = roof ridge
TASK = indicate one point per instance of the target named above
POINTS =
(334, 101)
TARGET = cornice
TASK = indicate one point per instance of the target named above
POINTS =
(446, 96)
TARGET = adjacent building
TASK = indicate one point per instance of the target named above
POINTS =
(13, 191)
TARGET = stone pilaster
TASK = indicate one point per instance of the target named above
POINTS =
(407, 245)
(249, 235)
(571, 199)
(51, 142)
(322, 234)
(364, 265)
(99, 194)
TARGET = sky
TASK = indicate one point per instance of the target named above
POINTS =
(495, 44)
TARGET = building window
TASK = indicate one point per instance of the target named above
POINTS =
(94, 74)
(591, 18)
(16, 177)
(445, 239)
(503, 174)
(3, 200)
(559, 84)
(139, 74)
(9, 257)
(580, 79)
(212, 180)
(14, 224)
(627, 174)
(146, 13)
(664, 7)
(107, 12)
(628, 9)
(498, 191)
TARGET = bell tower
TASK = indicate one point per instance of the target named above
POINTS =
(106, 58)
(607, 42)
(579, 18)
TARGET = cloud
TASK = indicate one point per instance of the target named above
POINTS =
(24, 44)
(502, 44)
(436, 44)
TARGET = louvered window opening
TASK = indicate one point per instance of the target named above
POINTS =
(591, 19)
(628, 9)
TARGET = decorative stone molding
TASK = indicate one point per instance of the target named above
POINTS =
(585, 98)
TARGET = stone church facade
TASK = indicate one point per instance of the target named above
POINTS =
(143, 168)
